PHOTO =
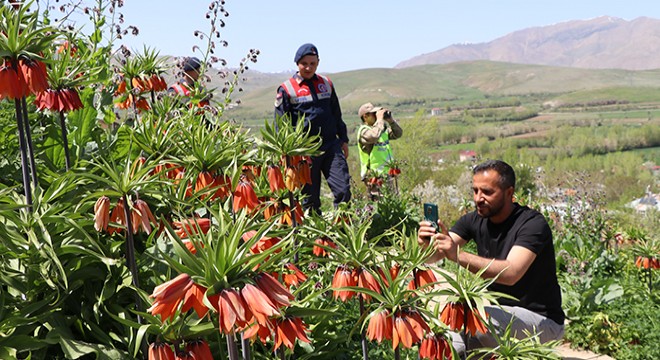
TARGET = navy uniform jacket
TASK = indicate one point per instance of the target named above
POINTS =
(317, 101)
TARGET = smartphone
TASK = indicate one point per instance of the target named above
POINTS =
(431, 214)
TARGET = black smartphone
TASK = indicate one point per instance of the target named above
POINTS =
(431, 214)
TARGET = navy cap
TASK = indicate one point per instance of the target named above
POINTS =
(305, 49)
(191, 63)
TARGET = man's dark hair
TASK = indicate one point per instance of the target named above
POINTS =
(507, 175)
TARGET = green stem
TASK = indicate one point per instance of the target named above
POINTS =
(130, 252)
(231, 347)
(363, 338)
(24, 157)
(30, 146)
(245, 347)
(65, 142)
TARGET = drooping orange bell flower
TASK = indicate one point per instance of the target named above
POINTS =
(138, 84)
(12, 86)
(321, 246)
(205, 179)
(291, 180)
(304, 173)
(258, 303)
(222, 183)
(157, 83)
(455, 314)
(271, 210)
(191, 246)
(474, 322)
(131, 100)
(393, 273)
(184, 355)
(452, 315)
(394, 171)
(244, 196)
(199, 349)
(194, 299)
(367, 281)
(263, 244)
(102, 213)
(63, 100)
(121, 88)
(169, 295)
(343, 277)
(187, 227)
(380, 326)
(34, 74)
(287, 215)
(117, 216)
(287, 330)
(263, 331)
(160, 351)
(644, 262)
(275, 179)
(422, 279)
(233, 311)
(276, 293)
(435, 347)
(142, 217)
(408, 328)
(294, 277)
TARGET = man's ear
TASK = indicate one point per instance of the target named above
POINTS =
(510, 191)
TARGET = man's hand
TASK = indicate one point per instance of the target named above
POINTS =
(384, 114)
(344, 149)
(444, 244)
(425, 235)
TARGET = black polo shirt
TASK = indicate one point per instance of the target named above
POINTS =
(538, 290)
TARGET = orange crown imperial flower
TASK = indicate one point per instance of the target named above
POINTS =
(34, 75)
(168, 296)
(194, 299)
(422, 278)
(258, 303)
(288, 329)
(454, 315)
(435, 347)
(408, 328)
(321, 250)
(244, 196)
(278, 294)
(160, 351)
(367, 281)
(142, 217)
(344, 277)
(184, 228)
(275, 179)
(102, 213)
(295, 277)
(380, 326)
(199, 349)
(233, 311)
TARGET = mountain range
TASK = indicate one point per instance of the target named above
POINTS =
(600, 43)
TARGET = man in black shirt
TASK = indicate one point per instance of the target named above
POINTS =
(514, 244)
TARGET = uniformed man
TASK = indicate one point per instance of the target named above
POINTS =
(312, 96)
(184, 87)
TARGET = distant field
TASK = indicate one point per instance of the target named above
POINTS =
(422, 88)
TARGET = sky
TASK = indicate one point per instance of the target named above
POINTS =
(353, 34)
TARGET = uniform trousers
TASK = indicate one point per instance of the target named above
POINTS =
(332, 164)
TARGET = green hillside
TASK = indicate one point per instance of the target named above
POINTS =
(412, 89)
